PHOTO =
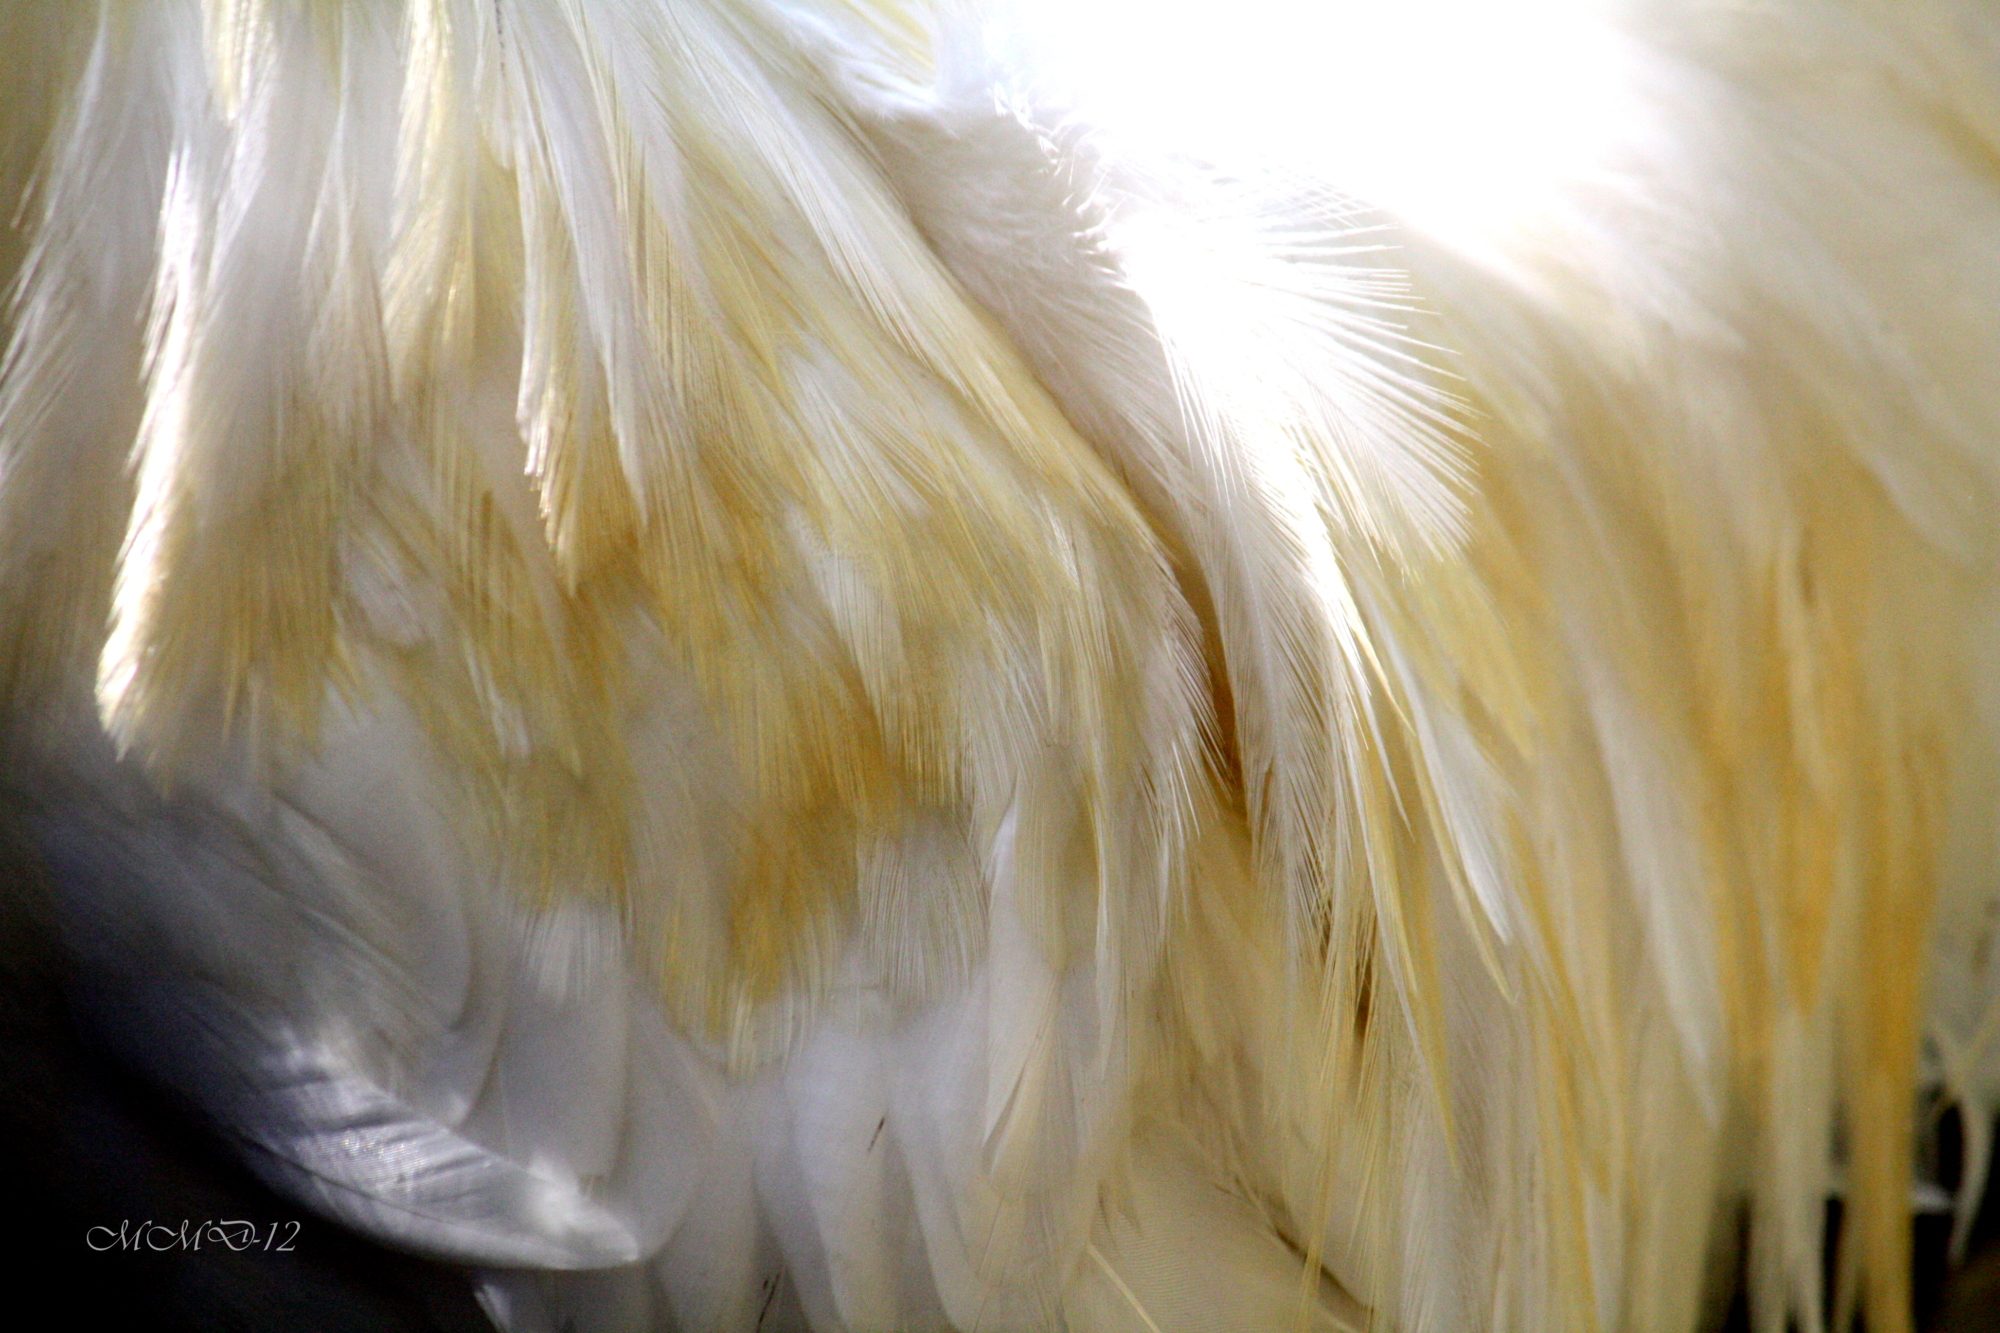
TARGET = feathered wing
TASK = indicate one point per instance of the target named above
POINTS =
(1783, 440)
(768, 660)
(1675, 661)
(549, 410)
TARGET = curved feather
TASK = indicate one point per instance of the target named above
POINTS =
(775, 655)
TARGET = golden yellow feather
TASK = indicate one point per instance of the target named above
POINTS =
(821, 667)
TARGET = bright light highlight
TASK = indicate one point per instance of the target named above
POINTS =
(1461, 116)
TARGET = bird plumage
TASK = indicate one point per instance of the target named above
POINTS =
(745, 661)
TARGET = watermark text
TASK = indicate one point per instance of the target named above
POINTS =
(190, 1237)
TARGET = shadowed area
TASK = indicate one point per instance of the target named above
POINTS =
(94, 1148)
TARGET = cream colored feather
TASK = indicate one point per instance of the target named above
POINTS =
(849, 664)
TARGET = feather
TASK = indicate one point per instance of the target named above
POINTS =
(849, 664)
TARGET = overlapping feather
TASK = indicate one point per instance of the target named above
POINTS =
(1096, 688)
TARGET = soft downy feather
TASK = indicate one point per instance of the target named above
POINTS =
(806, 669)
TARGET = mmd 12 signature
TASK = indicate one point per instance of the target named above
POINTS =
(191, 1237)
